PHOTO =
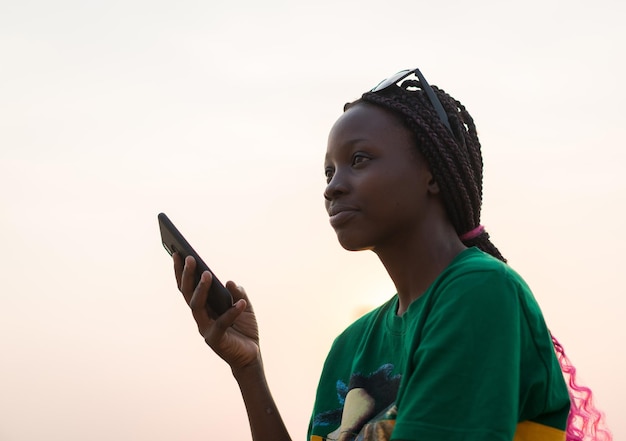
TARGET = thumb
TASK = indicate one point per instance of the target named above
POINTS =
(238, 293)
(226, 320)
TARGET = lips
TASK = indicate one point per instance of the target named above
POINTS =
(340, 215)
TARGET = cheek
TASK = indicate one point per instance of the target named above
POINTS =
(404, 202)
(398, 191)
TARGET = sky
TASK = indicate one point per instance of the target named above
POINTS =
(218, 114)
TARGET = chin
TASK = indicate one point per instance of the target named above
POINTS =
(350, 244)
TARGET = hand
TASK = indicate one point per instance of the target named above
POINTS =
(234, 335)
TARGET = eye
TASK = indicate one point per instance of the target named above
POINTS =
(359, 158)
(328, 172)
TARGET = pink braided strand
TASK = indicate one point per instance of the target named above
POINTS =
(585, 422)
(472, 234)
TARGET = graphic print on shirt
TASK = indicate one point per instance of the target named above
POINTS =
(367, 410)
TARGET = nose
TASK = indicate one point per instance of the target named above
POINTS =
(336, 187)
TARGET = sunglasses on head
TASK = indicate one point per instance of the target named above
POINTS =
(430, 93)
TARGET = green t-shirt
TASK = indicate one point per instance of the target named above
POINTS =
(471, 359)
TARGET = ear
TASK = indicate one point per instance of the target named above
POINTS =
(432, 186)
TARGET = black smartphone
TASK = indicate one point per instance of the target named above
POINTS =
(219, 299)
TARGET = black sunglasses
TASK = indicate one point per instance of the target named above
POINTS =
(395, 79)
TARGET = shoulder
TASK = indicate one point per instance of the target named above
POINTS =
(477, 285)
(478, 272)
(476, 263)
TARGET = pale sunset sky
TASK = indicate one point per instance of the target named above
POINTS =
(217, 113)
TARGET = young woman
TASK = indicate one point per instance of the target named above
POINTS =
(461, 352)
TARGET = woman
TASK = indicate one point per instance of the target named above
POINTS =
(462, 350)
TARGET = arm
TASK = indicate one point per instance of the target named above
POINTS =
(266, 424)
(234, 337)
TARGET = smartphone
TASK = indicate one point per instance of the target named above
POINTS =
(219, 299)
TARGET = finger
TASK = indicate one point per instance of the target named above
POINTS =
(199, 298)
(201, 314)
(238, 293)
(197, 302)
(223, 323)
(178, 268)
(188, 279)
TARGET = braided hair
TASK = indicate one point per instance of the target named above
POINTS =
(455, 158)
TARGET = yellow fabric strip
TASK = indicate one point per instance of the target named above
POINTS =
(526, 431)
(530, 431)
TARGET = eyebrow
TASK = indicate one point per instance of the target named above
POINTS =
(349, 143)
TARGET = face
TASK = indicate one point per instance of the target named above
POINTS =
(379, 188)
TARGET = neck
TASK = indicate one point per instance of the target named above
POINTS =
(415, 264)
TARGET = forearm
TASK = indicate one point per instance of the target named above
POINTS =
(266, 424)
